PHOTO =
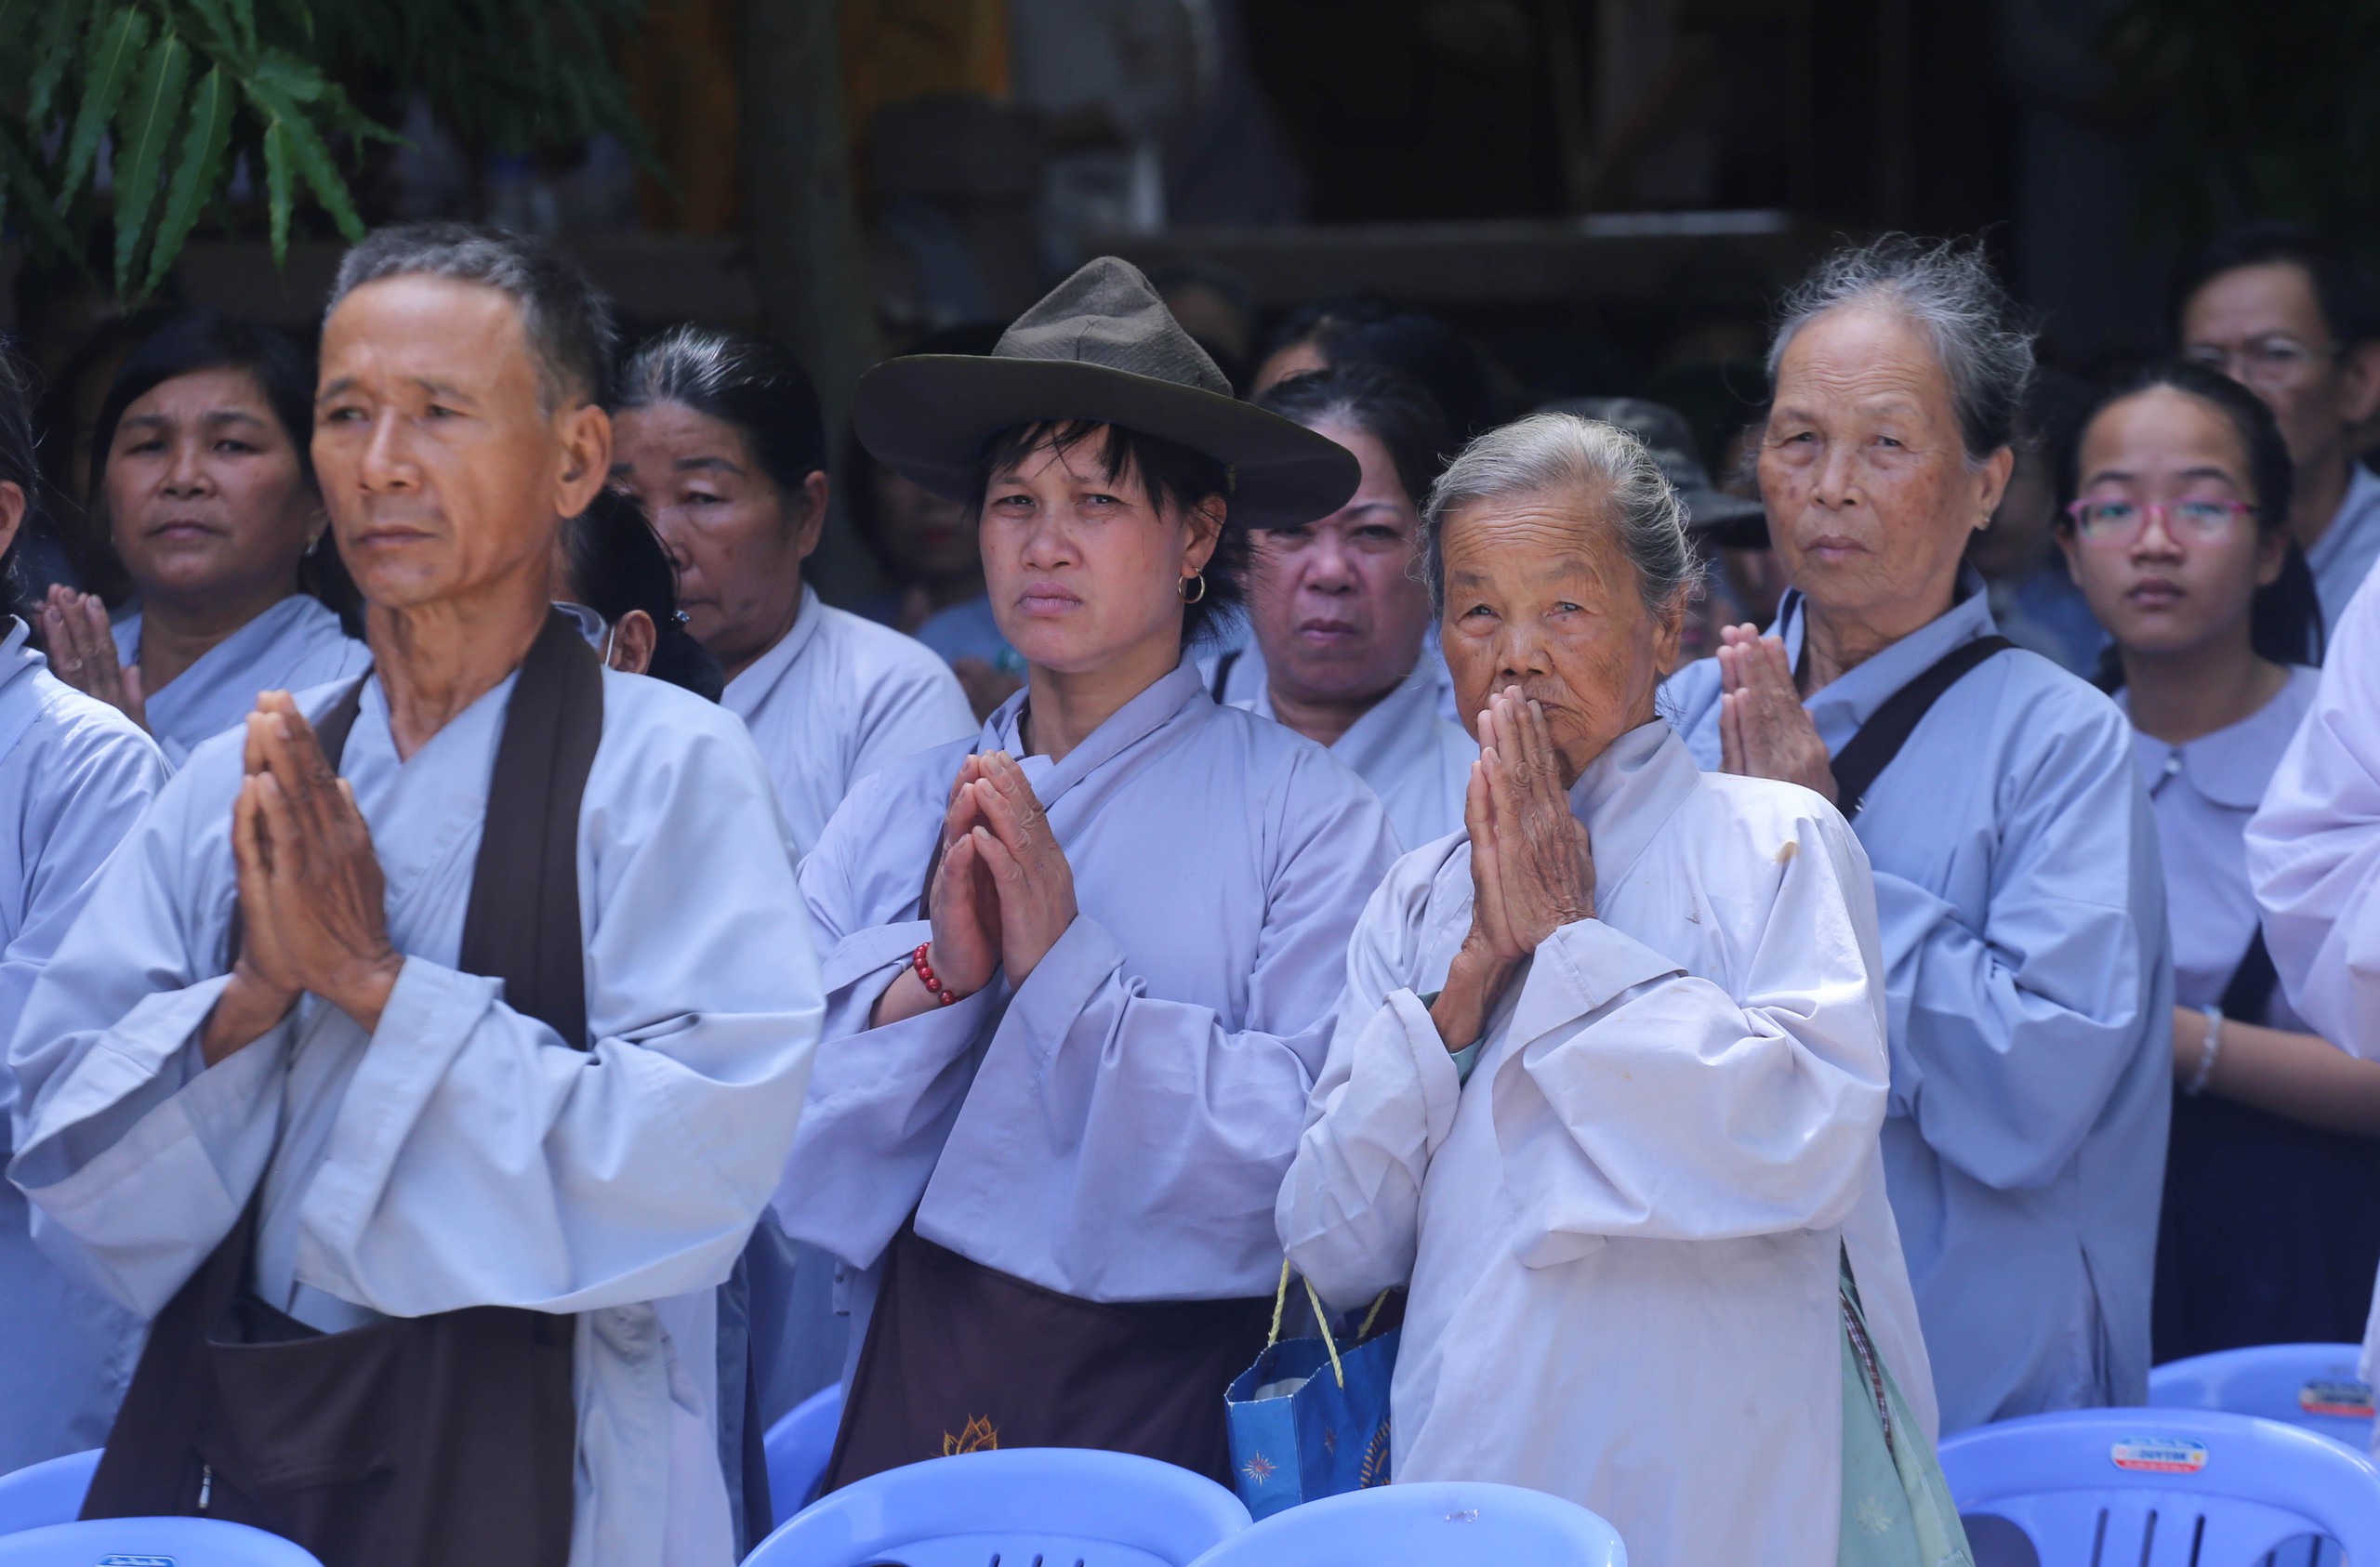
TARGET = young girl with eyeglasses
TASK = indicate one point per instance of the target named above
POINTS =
(2175, 527)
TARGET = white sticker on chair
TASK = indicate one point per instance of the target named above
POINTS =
(2160, 1455)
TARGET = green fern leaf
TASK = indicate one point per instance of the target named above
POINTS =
(111, 66)
(303, 146)
(287, 77)
(276, 186)
(53, 52)
(21, 173)
(150, 114)
(195, 173)
(223, 34)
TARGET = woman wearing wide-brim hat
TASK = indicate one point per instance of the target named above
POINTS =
(1081, 970)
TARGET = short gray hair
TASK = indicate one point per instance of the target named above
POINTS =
(1948, 290)
(565, 317)
(1549, 452)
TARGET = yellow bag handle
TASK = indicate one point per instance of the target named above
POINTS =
(1321, 1318)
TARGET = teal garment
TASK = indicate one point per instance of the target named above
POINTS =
(1897, 1507)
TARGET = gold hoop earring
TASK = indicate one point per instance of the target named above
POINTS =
(1181, 586)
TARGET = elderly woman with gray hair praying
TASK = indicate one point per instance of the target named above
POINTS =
(2026, 965)
(1607, 1081)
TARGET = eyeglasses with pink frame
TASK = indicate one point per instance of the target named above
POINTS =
(2113, 520)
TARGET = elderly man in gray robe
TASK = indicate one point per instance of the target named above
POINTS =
(422, 1062)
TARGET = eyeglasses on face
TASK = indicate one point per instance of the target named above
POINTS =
(2114, 521)
(2263, 362)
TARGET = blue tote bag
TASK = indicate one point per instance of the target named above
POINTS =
(1306, 1420)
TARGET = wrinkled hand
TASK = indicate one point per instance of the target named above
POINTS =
(1764, 729)
(1538, 864)
(81, 645)
(1036, 885)
(1532, 868)
(312, 898)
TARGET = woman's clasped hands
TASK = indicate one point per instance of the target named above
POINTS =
(1532, 868)
(1003, 892)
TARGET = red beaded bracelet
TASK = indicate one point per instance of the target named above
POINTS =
(925, 972)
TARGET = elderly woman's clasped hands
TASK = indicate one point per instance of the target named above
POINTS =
(1532, 868)
(1764, 729)
(1003, 892)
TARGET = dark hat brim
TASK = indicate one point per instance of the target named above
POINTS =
(1730, 521)
(927, 416)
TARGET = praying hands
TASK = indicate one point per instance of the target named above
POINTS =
(82, 652)
(1764, 729)
(312, 899)
(1002, 893)
(1532, 868)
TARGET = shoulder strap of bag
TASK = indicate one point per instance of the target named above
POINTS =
(1222, 674)
(2249, 992)
(1861, 763)
(522, 923)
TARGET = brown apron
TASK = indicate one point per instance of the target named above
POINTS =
(412, 1441)
(960, 1357)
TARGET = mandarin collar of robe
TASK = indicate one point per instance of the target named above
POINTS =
(19, 661)
(762, 673)
(1841, 706)
(1627, 794)
(1155, 707)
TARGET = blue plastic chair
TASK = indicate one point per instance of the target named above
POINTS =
(798, 1448)
(1428, 1523)
(2314, 1387)
(172, 1542)
(2160, 1488)
(1059, 1506)
(49, 1492)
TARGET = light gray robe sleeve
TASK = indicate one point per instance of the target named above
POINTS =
(477, 1158)
(2009, 1041)
(1348, 1212)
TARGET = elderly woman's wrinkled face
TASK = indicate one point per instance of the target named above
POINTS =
(1871, 496)
(1540, 594)
(1083, 568)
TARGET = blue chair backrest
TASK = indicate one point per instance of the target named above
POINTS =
(50, 1491)
(1063, 1506)
(1428, 1523)
(2312, 1386)
(151, 1542)
(2160, 1488)
(798, 1448)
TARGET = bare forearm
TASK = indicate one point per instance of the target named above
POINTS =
(1460, 1009)
(2300, 1077)
(905, 999)
(244, 1013)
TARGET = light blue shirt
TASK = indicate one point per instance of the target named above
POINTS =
(2028, 988)
(2344, 556)
(75, 777)
(296, 645)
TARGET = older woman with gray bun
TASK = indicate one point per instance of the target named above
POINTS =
(1607, 1081)
(2027, 968)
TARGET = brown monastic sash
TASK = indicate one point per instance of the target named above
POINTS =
(413, 1442)
(960, 1357)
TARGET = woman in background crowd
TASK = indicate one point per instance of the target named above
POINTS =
(2024, 958)
(203, 484)
(1625, 1246)
(609, 561)
(1340, 621)
(75, 774)
(718, 438)
(2176, 527)
(1361, 329)
(925, 545)
(1081, 970)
